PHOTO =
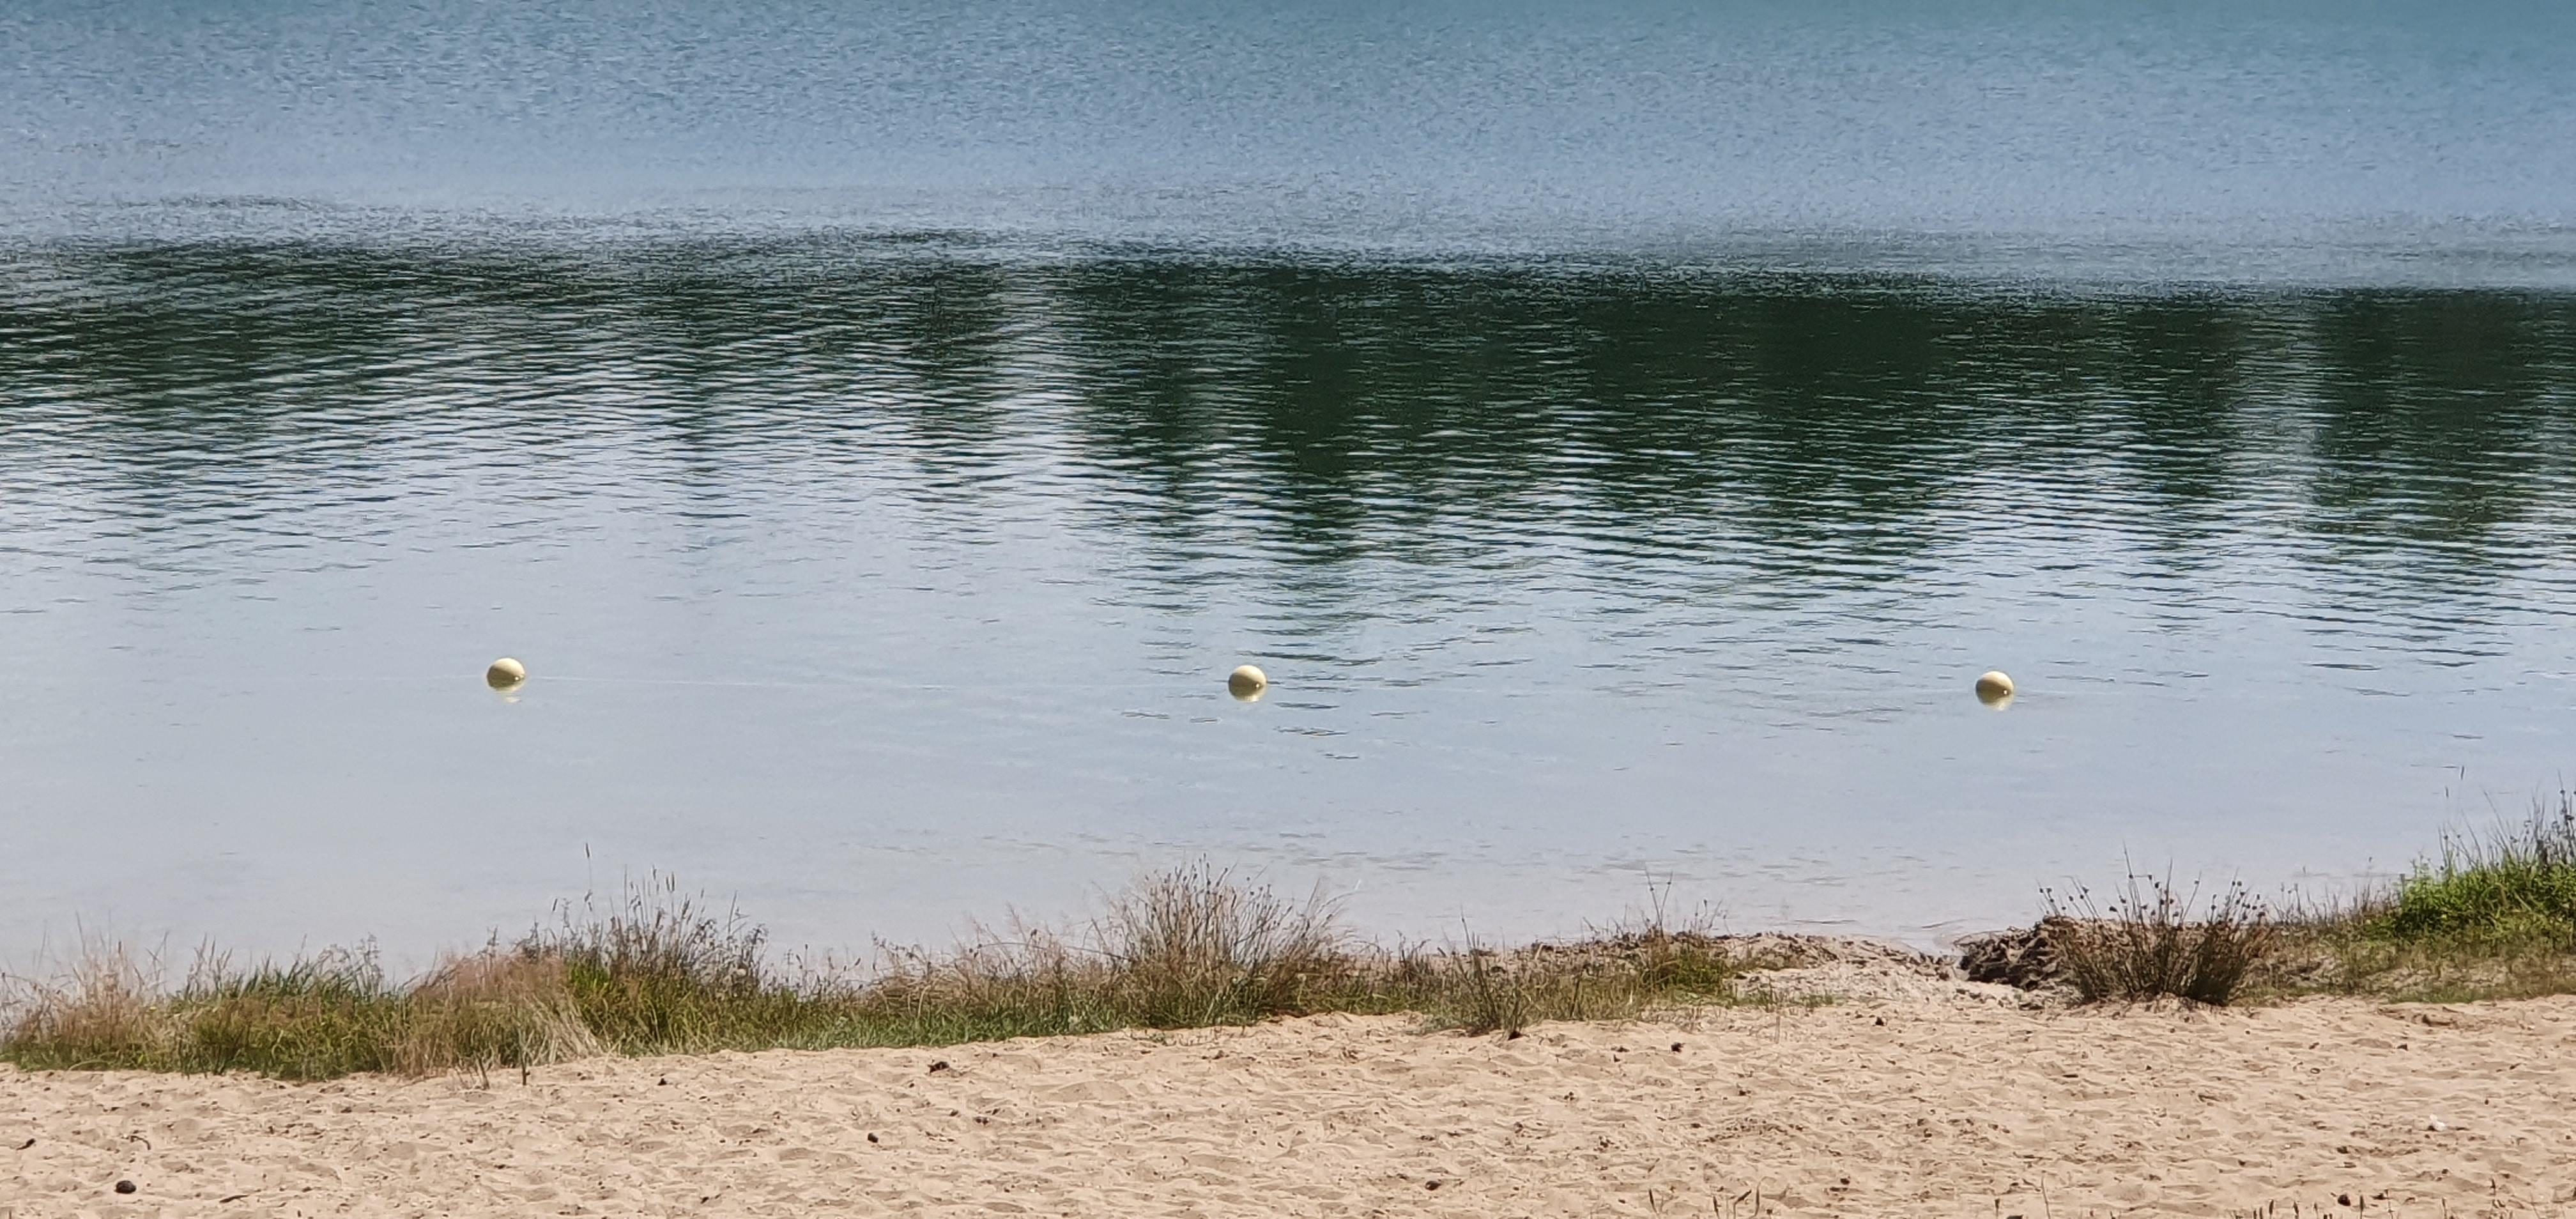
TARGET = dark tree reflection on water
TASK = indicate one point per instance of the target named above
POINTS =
(1750, 429)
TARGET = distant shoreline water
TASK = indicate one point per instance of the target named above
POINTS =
(2198, 141)
(2182, 257)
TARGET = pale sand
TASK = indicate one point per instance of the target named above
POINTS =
(1953, 1106)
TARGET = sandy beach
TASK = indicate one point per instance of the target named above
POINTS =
(1953, 1104)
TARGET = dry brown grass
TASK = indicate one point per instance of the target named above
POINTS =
(490, 1011)
(1618, 973)
(107, 998)
(2493, 916)
(2149, 943)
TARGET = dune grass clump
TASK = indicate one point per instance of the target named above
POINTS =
(2149, 944)
(328, 1015)
(2511, 883)
(1193, 948)
(1187, 948)
(659, 973)
(1618, 973)
(325, 1016)
(2492, 917)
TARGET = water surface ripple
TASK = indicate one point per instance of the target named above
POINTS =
(882, 581)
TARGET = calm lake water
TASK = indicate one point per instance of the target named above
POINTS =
(1622, 433)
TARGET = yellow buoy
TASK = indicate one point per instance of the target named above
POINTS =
(1994, 689)
(1247, 682)
(505, 673)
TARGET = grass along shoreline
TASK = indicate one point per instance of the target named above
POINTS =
(1189, 948)
(2493, 915)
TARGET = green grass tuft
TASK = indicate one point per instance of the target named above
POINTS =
(2508, 884)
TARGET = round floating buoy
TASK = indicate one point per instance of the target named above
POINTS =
(505, 673)
(1247, 682)
(1994, 689)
